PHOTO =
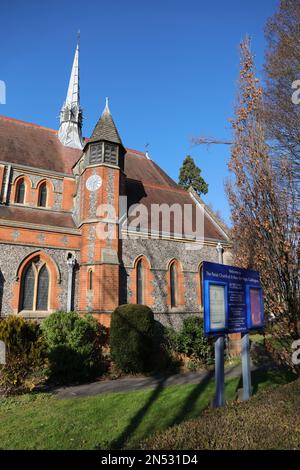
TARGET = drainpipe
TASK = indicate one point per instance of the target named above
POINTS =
(220, 252)
(7, 180)
(71, 261)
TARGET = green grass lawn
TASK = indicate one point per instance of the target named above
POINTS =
(41, 421)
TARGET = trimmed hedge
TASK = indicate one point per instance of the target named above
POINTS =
(73, 345)
(131, 337)
(25, 355)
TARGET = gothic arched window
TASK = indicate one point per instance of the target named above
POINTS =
(42, 201)
(140, 282)
(35, 286)
(173, 284)
(90, 279)
(20, 191)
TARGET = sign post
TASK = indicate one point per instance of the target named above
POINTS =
(219, 355)
(233, 303)
(219, 372)
(247, 389)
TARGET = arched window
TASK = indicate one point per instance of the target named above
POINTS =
(173, 285)
(90, 279)
(140, 282)
(28, 288)
(20, 192)
(35, 286)
(42, 289)
(42, 201)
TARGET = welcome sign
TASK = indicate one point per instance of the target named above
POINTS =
(232, 298)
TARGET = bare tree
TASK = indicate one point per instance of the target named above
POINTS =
(264, 211)
(282, 68)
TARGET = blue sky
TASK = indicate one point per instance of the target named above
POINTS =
(168, 67)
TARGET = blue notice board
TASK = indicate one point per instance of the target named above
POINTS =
(232, 299)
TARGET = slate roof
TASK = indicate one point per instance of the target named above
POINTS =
(148, 184)
(105, 129)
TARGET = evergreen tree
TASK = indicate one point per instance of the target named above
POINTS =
(190, 175)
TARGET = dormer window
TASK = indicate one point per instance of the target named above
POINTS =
(20, 192)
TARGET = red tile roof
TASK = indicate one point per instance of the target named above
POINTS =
(36, 216)
(28, 144)
(32, 145)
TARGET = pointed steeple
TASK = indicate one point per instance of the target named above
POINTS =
(105, 128)
(70, 129)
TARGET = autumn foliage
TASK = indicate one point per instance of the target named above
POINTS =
(263, 199)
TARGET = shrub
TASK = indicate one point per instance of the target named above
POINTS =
(73, 345)
(190, 341)
(131, 337)
(25, 355)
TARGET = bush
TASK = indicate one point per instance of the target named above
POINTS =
(25, 355)
(131, 337)
(74, 346)
(190, 341)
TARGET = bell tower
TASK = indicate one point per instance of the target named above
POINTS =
(100, 183)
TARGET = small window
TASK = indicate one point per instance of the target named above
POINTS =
(43, 195)
(20, 192)
(173, 284)
(140, 282)
(90, 280)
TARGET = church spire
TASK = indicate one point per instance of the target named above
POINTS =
(71, 115)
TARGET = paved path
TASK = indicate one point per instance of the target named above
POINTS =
(139, 383)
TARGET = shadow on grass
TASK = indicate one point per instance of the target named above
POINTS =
(184, 412)
(268, 377)
(189, 403)
(139, 416)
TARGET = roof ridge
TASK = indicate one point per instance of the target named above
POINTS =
(161, 186)
(135, 152)
(7, 118)
(20, 121)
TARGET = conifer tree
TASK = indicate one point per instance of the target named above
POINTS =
(190, 175)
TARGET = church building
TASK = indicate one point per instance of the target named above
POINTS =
(78, 225)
